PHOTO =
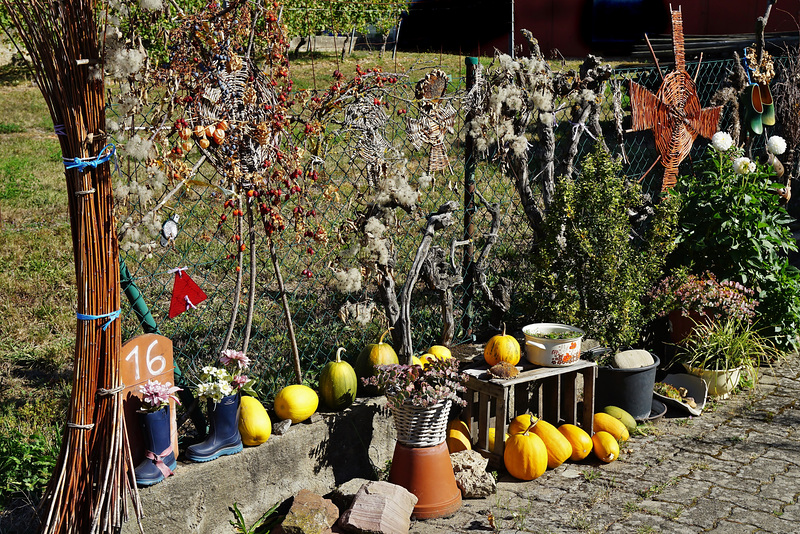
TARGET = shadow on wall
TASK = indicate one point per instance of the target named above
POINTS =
(346, 451)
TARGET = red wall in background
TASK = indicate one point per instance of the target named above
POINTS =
(575, 27)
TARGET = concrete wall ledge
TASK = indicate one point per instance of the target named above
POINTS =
(318, 455)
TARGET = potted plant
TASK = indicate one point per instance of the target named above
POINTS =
(159, 461)
(722, 351)
(221, 387)
(690, 299)
(420, 398)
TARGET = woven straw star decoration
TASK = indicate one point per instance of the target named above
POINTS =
(674, 113)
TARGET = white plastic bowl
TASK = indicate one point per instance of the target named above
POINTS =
(552, 352)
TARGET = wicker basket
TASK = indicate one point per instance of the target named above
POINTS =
(421, 427)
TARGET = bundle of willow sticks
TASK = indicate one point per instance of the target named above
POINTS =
(93, 479)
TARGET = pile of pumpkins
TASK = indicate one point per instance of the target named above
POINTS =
(533, 445)
(338, 385)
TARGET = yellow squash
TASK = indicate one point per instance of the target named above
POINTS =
(581, 441)
(296, 402)
(458, 438)
(558, 447)
(612, 425)
(254, 424)
(606, 447)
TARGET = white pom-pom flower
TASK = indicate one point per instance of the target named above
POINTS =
(776, 145)
(722, 141)
(743, 165)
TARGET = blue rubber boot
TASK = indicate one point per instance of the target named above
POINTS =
(224, 437)
(159, 461)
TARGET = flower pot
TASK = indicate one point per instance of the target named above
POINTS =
(629, 389)
(552, 352)
(682, 323)
(720, 382)
(428, 474)
(421, 427)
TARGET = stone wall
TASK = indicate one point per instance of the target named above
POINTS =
(318, 455)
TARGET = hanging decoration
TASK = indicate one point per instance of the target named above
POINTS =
(674, 112)
(186, 294)
(436, 119)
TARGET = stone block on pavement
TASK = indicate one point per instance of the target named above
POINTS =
(380, 508)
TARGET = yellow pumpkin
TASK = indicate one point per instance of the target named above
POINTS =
(606, 447)
(458, 438)
(558, 447)
(440, 351)
(581, 441)
(525, 456)
(254, 424)
(296, 402)
(612, 425)
(502, 348)
(417, 361)
(521, 423)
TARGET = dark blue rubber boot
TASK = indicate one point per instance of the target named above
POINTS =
(159, 461)
(224, 437)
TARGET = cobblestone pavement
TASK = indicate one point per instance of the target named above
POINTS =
(734, 469)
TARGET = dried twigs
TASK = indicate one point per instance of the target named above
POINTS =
(93, 478)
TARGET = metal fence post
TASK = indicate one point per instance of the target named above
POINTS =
(469, 207)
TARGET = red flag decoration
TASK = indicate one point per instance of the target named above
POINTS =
(185, 294)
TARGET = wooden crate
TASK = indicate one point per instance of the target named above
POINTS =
(549, 392)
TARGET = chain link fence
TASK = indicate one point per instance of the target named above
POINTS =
(324, 317)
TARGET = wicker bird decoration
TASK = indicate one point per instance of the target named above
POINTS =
(674, 112)
(367, 117)
(436, 119)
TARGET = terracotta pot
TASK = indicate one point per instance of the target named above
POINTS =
(427, 473)
(681, 324)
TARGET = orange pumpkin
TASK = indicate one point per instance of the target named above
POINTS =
(525, 456)
(581, 441)
(521, 423)
(558, 447)
(502, 348)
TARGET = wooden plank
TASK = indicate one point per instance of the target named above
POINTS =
(500, 424)
(589, 376)
(569, 397)
(483, 419)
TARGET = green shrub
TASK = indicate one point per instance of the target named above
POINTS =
(596, 262)
(734, 226)
(26, 463)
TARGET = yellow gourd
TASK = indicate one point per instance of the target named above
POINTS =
(296, 402)
(612, 425)
(525, 456)
(254, 424)
(502, 348)
(606, 447)
(458, 438)
(581, 441)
